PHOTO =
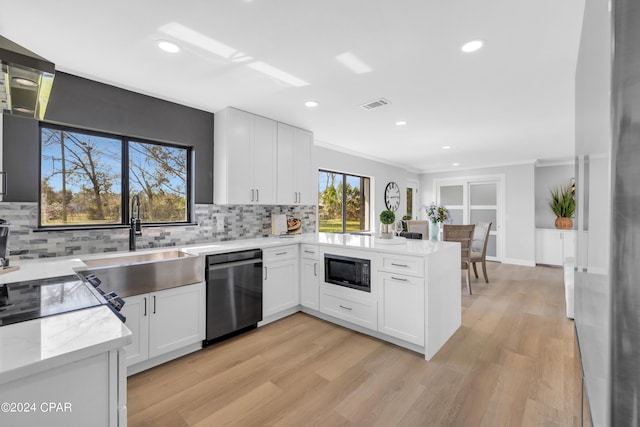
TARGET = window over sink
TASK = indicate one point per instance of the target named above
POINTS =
(343, 202)
(88, 179)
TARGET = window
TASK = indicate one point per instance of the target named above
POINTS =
(343, 211)
(84, 180)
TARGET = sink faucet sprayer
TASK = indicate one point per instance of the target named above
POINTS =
(136, 226)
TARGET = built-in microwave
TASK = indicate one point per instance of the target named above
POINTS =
(351, 272)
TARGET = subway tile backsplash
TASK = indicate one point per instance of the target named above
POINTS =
(214, 223)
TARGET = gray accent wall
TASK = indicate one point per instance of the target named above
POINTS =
(83, 103)
(547, 177)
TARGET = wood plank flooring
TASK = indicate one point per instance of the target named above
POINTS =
(512, 363)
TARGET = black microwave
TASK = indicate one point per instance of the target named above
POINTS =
(350, 272)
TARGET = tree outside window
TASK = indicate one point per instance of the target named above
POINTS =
(343, 202)
(84, 180)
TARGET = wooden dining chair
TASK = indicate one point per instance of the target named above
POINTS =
(462, 234)
(479, 247)
(422, 227)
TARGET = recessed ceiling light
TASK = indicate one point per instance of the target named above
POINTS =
(446, 147)
(456, 164)
(311, 104)
(472, 46)
(168, 46)
(401, 123)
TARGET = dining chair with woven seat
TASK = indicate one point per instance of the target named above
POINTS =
(464, 235)
(479, 247)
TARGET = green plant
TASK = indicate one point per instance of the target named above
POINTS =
(387, 217)
(404, 222)
(562, 202)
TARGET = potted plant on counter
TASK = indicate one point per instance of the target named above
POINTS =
(563, 205)
(386, 219)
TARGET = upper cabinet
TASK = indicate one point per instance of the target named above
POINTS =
(294, 166)
(260, 161)
(244, 158)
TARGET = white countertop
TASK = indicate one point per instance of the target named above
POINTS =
(27, 348)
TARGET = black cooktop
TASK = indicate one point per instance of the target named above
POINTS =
(21, 301)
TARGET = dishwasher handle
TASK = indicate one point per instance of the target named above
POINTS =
(214, 267)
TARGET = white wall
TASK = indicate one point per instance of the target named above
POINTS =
(548, 177)
(380, 174)
(520, 225)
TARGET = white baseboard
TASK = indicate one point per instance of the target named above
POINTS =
(163, 358)
(522, 262)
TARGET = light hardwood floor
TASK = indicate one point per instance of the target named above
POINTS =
(512, 363)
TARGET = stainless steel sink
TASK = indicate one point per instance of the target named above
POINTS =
(135, 258)
(140, 273)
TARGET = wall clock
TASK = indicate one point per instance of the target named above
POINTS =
(392, 196)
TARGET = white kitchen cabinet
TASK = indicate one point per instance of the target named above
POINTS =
(401, 307)
(309, 277)
(295, 177)
(280, 280)
(164, 321)
(244, 159)
(554, 246)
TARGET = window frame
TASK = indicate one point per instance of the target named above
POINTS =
(124, 180)
(344, 201)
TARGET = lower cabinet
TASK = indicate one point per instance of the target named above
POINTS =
(280, 280)
(553, 247)
(309, 279)
(401, 307)
(360, 311)
(164, 321)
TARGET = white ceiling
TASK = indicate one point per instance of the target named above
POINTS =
(510, 102)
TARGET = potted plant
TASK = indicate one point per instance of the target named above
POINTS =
(386, 219)
(404, 222)
(437, 215)
(563, 205)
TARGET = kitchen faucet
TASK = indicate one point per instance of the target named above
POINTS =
(136, 226)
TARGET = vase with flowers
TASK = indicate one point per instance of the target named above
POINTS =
(437, 216)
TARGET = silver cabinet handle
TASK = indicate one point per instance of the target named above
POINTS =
(399, 279)
(399, 265)
(315, 268)
(281, 253)
(309, 252)
(265, 273)
(346, 308)
(145, 306)
(252, 194)
(154, 304)
(257, 195)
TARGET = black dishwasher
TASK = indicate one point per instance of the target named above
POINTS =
(234, 293)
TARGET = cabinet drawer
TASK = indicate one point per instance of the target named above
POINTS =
(363, 313)
(309, 251)
(405, 265)
(280, 253)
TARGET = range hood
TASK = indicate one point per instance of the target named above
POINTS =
(25, 81)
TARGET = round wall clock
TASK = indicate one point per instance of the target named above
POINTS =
(392, 196)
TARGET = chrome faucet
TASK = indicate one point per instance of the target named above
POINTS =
(136, 225)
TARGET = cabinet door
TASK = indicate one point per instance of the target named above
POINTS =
(548, 247)
(136, 310)
(239, 156)
(402, 307)
(309, 286)
(568, 245)
(286, 178)
(305, 179)
(176, 318)
(264, 160)
(280, 287)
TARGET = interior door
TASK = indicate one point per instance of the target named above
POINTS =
(471, 200)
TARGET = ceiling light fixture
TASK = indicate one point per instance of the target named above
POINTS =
(401, 123)
(456, 164)
(311, 104)
(168, 46)
(353, 63)
(446, 147)
(472, 46)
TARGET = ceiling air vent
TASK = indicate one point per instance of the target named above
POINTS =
(381, 102)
